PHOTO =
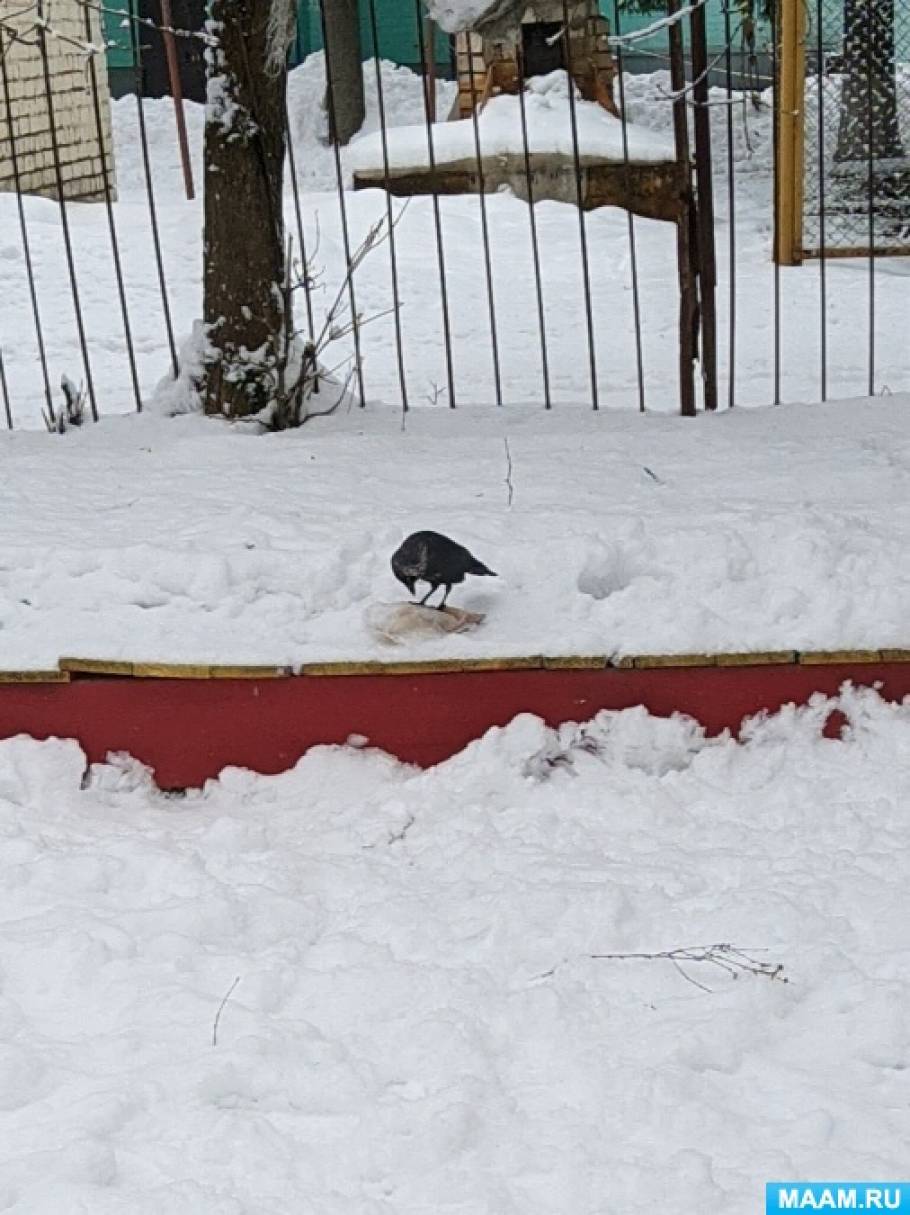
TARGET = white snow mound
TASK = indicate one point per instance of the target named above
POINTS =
(398, 967)
(596, 133)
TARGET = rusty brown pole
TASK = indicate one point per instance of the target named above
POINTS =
(706, 252)
(429, 79)
(173, 71)
(686, 230)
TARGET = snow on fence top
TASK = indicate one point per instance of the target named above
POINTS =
(549, 131)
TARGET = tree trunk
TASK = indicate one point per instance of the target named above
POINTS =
(344, 100)
(244, 268)
(869, 125)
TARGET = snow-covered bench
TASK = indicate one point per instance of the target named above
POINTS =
(531, 153)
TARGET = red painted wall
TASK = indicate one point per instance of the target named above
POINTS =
(189, 729)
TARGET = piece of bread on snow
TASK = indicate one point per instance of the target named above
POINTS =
(397, 622)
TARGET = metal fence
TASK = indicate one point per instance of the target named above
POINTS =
(857, 129)
(532, 273)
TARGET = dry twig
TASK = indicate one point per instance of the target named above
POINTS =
(227, 996)
(728, 958)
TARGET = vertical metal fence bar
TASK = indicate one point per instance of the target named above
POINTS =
(685, 236)
(633, 252)
(64, 221)
(535, 247)
(429, 107)
(173, 71)
(871, 159)
(731, 208)
(4, 387)
(485, 237)
(111, 222)
(427, 39)
(23, 228)
(822, 217)
(776, 26)
(579, 200)
(342, 205)
(704, 176)
(150, 196)
(393, 259)
(301, 235)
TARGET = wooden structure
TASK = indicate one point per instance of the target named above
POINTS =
(842, 131)
(190, 722)
(543, 43)
(789, 115)
(654, 190)
(559, 36)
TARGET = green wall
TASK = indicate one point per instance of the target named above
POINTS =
(398, 37)
(396, 22)
(117, 35)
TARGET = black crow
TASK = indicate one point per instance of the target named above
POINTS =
(430, 557)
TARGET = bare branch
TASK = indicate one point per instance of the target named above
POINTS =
(728, 958)
(227, 996)
(508, 477)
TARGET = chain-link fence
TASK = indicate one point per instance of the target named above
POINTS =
(857, 127)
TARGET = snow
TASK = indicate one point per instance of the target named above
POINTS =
(455, 16)
(183, 539)
(361, 989)
(596, 134)
(418, 1023)
(180, 539)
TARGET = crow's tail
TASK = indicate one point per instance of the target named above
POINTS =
(478, 568)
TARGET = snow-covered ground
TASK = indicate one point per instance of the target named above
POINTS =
(419, 1025)
(184, 539)
(514, 296)
(180, 539)
(360, 989)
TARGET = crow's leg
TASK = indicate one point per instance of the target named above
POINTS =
(441, 606)
(434, 587)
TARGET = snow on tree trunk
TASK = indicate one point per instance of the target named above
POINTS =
(244, 251)
(869, 124)
(344, 100)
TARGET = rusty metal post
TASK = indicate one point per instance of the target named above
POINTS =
(704, 177)
(685, 226)
(429, 67)
(173, 71)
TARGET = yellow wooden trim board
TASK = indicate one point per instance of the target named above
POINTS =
(96, 666)
(817, 658)
(171, 670)
(757, 658)
(577, 662)
(647, 662)
(241, 672)
(34, 676)
(70, 666)
(328, 670)
(444, 666)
